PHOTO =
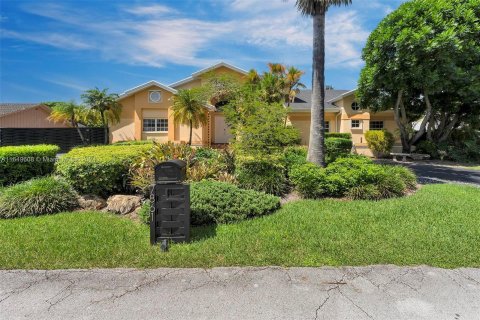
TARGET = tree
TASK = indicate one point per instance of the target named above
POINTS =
(105, 104)
(68, 112)
(252, 77)
(189, 108)
(423, 60)
(272, 87)
(317, 9)
(293, 84)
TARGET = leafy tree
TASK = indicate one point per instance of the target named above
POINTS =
(189, 108)
(68, 112)
(105, 104)
(424, 60)
(252, 77)
(317, 9)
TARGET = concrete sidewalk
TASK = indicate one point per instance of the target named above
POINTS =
(377, 292)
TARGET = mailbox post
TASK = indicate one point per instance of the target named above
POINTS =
(170, 197)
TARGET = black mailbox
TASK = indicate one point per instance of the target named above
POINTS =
(170, 197)
(171, 171)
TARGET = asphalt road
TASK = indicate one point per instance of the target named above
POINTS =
(375, 292)
(435, 173)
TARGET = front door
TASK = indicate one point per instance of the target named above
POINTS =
(222, 132)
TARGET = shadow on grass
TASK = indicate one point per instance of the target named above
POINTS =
(203, 232)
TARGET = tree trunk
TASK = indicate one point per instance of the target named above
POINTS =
(191, 130)
(448, 130)
(401, 126)
(316, 147)
(423, 125)
(75, 125)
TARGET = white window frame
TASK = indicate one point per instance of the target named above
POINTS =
(157, 125)
(355, 127)
(383, 125)
(150, 100)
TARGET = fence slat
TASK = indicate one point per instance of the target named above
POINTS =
(65, 138)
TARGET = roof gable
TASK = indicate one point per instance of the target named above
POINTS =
(141, 87)
(303, 99)
(198, 73)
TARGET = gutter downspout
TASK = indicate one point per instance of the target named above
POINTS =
(337, 127)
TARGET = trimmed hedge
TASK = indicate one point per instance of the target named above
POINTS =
(37, 197)
(336, 148)
(353, 177)
(221, 202)
(100, 170)
(20, 163)
(293, 156)
(261, 174)
(338, 135)
(379, 141)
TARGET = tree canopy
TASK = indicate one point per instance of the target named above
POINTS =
(423, 60)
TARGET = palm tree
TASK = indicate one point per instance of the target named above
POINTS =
(317, 10)
(277, 69)
(292, 83)
(68, 112)
(272, 87)
(252, 77)
(189, 108)
(104, 103)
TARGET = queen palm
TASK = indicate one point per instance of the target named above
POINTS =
(292, 83)
(68, 112)
(105, 104)
(317, 10)
(189, 109)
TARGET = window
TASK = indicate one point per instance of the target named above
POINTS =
(356, 124)
(154, 96)
(355, 106)
(327, 126)
(376, 125)
(155, 125)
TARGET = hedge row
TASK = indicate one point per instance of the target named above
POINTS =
(338, 135)
(100, 170)
(20, 163)
(355, 177)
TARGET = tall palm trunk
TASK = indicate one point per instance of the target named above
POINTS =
(75, 125)
(191, 130)
(316, 145)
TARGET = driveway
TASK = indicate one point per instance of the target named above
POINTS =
(437, 173)
(374, 292)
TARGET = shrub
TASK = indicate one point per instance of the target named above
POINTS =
(379, 141)
(20, 163)
(338, 135)
(309, 180)
(265, 174)
(142, 174)
(132, 142)
(428, 147)
(220, 202)
(204, 153)
(354, 177)
(293, 156)
(100, 170)
(336, 148)
(36, 197)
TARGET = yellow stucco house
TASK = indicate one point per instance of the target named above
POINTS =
(147, 114)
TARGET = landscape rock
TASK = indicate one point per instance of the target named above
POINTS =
(123, 204)
(91, 202)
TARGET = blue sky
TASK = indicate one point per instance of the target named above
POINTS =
(54, 50)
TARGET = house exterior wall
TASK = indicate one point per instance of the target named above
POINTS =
(137, 107)
(36, 117)
(301, 121)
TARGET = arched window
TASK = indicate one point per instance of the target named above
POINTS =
(220, 104)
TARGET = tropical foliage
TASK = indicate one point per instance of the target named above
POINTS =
(189, 108)
(424, 60)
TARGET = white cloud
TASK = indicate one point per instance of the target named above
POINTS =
(65, 82)
(152, 10)
(274, 28)
(64, 41)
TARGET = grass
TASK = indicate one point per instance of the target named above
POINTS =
(438, 226)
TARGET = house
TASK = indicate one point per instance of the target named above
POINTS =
(26, 115)
(147, 113)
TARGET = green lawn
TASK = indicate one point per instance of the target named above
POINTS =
(438, 226)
